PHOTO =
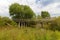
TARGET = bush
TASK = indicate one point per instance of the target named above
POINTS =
(1, 22)
(5, 21)
(55, 25)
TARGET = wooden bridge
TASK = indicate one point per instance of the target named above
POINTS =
(24, 22)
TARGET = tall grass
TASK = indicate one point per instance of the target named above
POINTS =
(28, 34)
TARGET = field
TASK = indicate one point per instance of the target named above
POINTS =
(28, 34)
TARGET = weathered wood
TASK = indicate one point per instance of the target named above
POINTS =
(19, 25)
(39, 21)
(9, 24)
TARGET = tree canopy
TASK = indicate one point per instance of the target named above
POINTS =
(45, 14)
(21, 11)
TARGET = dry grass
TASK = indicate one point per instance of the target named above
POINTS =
(11, 33)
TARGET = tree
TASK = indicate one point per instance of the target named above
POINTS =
(21, 11)
(18, 11)
(28, 12)
(45, 14)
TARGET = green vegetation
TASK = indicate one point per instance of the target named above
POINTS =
(18, 11)
(45, 14)
(28, 34)
(25, 25)
(5, 21)
(55, 25)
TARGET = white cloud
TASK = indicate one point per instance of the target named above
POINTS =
(52, 8)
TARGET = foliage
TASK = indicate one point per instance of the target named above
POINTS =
(55, 25)
(1, 22)
(28, 12)
(4, 21)
(45, 14)
(28, 34)
(21, 11)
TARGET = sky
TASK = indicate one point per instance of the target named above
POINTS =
(52, 6)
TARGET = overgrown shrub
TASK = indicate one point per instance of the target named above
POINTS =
(5, 21)
(55, 25)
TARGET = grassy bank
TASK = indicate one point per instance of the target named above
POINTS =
(28, 34)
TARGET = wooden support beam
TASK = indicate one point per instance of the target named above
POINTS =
(19, 24)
